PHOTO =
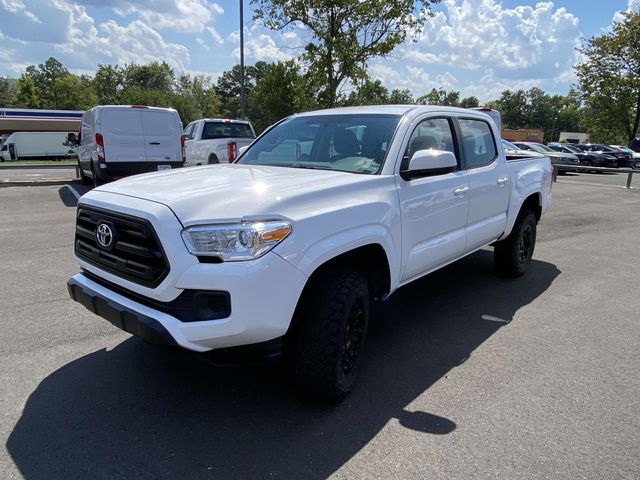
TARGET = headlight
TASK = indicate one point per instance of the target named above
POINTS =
(235, 242)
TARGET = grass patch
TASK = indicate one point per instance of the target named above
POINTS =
(38, 162)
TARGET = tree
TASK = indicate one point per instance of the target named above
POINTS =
(469, 102)
(401, 97)
(26, 93)
(75, 93)
(228, 87)
(154, 76)
(345, 34)
(6, 93)
(280, 92)
(369, 93)
(44, 76)
(609, 80)
(108, 83)
(440, 97)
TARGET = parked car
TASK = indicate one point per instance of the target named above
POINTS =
(120, 140)
(512, 151)
(635, 155)
(325, 213)
(587, 159)
(36, 146)
(213, 140)
(563, 161)
(625, 160)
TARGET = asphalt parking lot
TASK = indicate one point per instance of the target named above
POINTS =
(466, 375)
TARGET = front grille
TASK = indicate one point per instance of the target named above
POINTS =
(135, 253)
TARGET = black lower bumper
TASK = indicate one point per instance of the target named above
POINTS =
(125, 169)
(124, 318)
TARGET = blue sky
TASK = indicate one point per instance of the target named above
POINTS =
(479, 47)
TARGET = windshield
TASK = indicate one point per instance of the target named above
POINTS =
(226, 130)
(540, 148)
(572, 149)
(509, 145)
(355, 143)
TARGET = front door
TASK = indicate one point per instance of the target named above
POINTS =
(434, 208)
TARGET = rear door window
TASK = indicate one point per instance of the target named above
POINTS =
(159, 123)
(122, 122)
(477, 142)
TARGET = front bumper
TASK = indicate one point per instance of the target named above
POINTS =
(261, 306)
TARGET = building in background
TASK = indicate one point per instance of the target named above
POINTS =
(523, 135)
(574, 137)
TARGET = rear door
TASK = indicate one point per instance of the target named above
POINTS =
(162, 132)
(489, 183)
(121, 129)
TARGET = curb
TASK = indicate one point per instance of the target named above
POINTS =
(36, 183)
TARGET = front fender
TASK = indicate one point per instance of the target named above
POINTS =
(307, 251)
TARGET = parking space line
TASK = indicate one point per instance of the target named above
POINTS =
(74, 191)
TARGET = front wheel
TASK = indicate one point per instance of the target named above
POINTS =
(330, 334)
(512, 256)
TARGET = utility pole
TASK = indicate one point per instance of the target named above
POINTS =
(242, 59)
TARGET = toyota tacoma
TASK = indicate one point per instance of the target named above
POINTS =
(324, 214)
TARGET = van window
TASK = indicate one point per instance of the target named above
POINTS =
(122, 122)
(159, 123)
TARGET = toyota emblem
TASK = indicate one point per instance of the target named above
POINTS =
(104, 235)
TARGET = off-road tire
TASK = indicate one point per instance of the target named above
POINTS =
(324, 366)
(512, 256)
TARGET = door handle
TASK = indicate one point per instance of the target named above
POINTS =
(461, 190)
(503, 180)
(154, 143)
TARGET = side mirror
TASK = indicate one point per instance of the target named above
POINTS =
(426, 163)
(241, 150)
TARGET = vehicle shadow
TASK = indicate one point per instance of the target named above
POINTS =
(139, 411)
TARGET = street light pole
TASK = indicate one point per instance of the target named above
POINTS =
(242, 59)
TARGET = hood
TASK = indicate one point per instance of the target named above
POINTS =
(229, 192)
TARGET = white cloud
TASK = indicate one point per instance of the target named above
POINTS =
(632, 6)
(81, 44)
(260, 44)
(203, 44)
(215, 35)
(484, 34)
(189, 16)
(18, 7)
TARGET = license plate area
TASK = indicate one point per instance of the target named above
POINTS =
(164, 167)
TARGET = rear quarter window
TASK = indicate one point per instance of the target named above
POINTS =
(478, 142)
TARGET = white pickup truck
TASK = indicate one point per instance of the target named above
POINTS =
(323, 214)
(216, 140)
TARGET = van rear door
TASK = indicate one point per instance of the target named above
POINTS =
(162, 131)
(121, 129)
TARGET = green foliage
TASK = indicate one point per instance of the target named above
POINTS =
(369, 93)
(469, 102)
(440, 97)
(108, 83)
(75, 92)
(609, 81)
(6, 93)
(401, 97)
(345, 35)
(280, 92)
(26, 93)
(44, 77)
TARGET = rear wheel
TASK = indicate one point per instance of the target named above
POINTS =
(94, 177)
(512, 256)
(212, 160)
(331, 333)
(83, 178)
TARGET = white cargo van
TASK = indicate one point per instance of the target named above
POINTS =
(35, 146)
(116, 141)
